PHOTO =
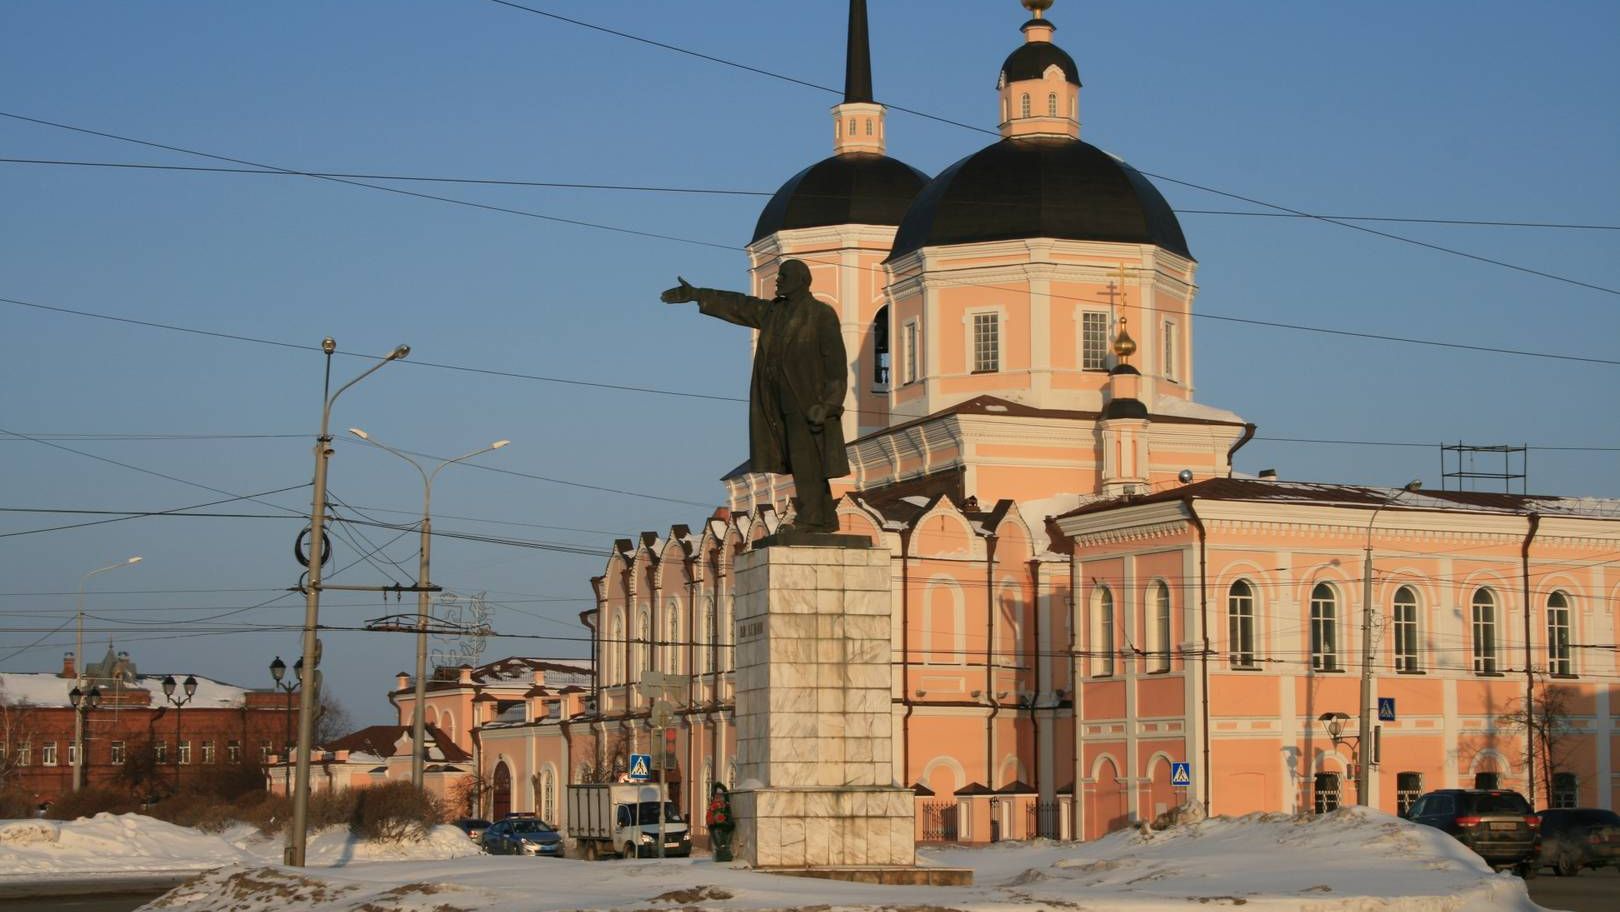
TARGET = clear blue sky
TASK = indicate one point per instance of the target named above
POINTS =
(1476, 110)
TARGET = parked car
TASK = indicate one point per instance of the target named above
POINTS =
(472, 826)
(523, 836)
(1576, 838)
(1497, 823)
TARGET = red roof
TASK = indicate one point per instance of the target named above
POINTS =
(379, 740)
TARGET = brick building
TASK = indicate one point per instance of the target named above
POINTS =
(133, 723)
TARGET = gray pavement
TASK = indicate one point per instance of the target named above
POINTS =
(1590, 891)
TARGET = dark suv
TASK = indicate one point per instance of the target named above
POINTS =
(1496, 823)
(1576, 838)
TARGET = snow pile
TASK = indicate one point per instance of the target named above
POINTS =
(127, 844)
(1354, 860)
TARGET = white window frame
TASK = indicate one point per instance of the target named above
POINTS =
(233, 752)
(47, 754)
(116, 753)
(1023, 105)
(912, 358)
(183, 753)
(1559, 660)
(1160, 625)
(73, 754)
(1102, 632)
(1241, 626)
(24, 755)
(1100, 350)
(1170, 345)
(1051, 104)
(1404, 621)
(1325, 628)
(208, 751)
(1565, 790)
(1482, 627)
(971, 322)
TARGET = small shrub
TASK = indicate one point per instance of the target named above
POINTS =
(93, 800)
(394, 811)
(16, 804)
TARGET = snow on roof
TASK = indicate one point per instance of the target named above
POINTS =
(1186, 408)
(47, 689)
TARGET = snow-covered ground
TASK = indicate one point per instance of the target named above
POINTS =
(131, 844)
(1353, 860)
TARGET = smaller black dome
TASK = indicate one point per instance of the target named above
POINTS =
(856, 188)
(1031, 60)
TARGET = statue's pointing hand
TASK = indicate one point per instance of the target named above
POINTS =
(680, 294)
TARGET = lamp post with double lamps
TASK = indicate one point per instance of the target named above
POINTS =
(189, 688)
(278, 670)
(419, 713)
(1364, 764)
(82, 702)
(80, 681)
(297, 834)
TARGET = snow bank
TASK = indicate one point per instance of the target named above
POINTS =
(1354, 860)
(108, 844)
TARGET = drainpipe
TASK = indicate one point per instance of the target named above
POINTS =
(905, 653)
(1203, 624)
(1529, 671)
(989, 659)
(1248, 435)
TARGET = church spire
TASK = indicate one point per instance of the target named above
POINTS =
(858, 62)
(858, 122)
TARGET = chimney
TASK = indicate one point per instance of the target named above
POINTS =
(69, 666)
(1268, 474)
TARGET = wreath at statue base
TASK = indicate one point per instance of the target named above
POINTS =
(720, 822)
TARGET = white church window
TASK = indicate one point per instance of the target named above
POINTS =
(1558, 662)
(1169, 350)
(1094, 340)
(1159, 658)
(1240, 625)
(1484, 631)
(910, 353)
(986, 343)
(1023, 105)
(1051, 105)
(868, 126)
(1102, 633)
(1324, 628)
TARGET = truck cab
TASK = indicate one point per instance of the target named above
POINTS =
(607, 819)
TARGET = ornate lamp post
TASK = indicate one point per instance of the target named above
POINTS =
(82, 702)
(190, 690)
(419, 713)
(278, 669)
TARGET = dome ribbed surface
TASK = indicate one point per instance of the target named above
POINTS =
(856, 188)
(1039, 187)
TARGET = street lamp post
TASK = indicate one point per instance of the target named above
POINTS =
(189, 688)
(419, 713)
(1363, 765)
(78, 662)
(297, 837)
(278, 669)
(82, 702)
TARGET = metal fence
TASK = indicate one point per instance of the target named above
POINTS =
(1044, 819)
(939, 821)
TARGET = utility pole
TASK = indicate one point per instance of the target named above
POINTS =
(80, 681)
(297, 835)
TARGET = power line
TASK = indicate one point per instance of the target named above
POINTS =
(176, 511)
(1196, 186)
(722, 191)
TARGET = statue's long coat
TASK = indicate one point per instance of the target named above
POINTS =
(799, 360)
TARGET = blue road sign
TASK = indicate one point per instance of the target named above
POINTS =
(640, 767)
(1181, 775)
(1386, 709)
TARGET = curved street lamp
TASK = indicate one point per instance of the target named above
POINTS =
(83, 702)
(419, 713)
(78, 662)
(1364, 766)
(278, 670)
(297, 835)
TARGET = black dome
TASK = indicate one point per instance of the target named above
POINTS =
(856, 188)
(1039, 187)
(1031, 60)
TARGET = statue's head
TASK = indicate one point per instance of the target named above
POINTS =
(792, 277)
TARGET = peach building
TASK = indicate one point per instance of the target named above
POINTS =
(1085, 596)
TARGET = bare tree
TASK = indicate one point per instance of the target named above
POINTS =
(467, 795)
(1547, 723)
(16, 730)
(331, 719)
(612, 758)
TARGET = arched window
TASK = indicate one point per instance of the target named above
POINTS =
(1023, 105)
(868, 126)
(1405, 622)
(1240, 625)
(644, 647)
(880, 348)
(705, 638)
(852, 130)
(1324, 629)
(1102, 632)
(1326, 796)
(1051, 105)
(614, 650)
(548, 796)
(1558, 662)
(1159, 615)
(1484, 631)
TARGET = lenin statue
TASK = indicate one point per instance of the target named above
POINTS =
(797, 392)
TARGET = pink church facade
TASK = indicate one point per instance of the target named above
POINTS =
(1085, 598)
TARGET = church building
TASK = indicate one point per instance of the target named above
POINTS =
(1095, 619)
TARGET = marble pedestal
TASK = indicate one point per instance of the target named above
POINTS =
(814, 726)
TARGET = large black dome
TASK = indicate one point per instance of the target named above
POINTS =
(856, 188)
(1039, 187)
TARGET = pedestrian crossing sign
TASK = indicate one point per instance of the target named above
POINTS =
(640, 767)
(1181, 775)
(1386, 709)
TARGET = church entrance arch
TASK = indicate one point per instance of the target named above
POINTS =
(501, 789)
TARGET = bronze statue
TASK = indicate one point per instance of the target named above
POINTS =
(797, 392)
